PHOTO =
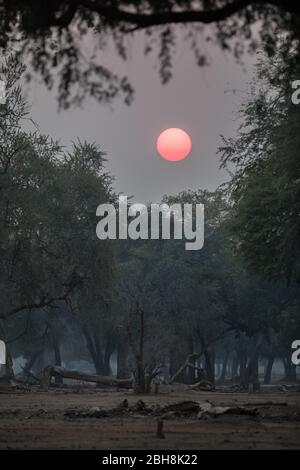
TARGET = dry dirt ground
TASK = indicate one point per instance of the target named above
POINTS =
(37, 420)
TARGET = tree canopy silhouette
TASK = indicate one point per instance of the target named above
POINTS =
(55, 36)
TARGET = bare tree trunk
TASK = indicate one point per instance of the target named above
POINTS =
(253, 373)
(93, 345)
(243, 369)
(251, 376)
(139, 377)
(209, 364)
(139, 373)
(122, 359)
(290, 369)
(269, 367)
(190, 372)
(57, 356)
(109, 349)
(234, 365)
(9, 371)
(224, 366)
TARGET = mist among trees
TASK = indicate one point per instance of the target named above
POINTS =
(143, 312)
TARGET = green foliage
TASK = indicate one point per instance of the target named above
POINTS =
(48, 244)
(265, 189)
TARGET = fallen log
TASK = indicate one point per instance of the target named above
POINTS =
(54, 371)
(207, 409)
(187, 407)
(193, 409)
(123, 409)
(266, 403)
(203, 385)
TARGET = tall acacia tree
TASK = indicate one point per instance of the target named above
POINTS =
(27, 169)
(49, 252)
(264, 222)
(264, 161)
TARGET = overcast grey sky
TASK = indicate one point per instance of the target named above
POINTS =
(196, 99)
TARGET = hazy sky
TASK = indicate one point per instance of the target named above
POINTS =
(198, 100)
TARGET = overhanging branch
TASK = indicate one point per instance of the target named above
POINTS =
(143, 20)
(43, 303)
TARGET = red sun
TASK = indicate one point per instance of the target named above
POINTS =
(174, 144)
